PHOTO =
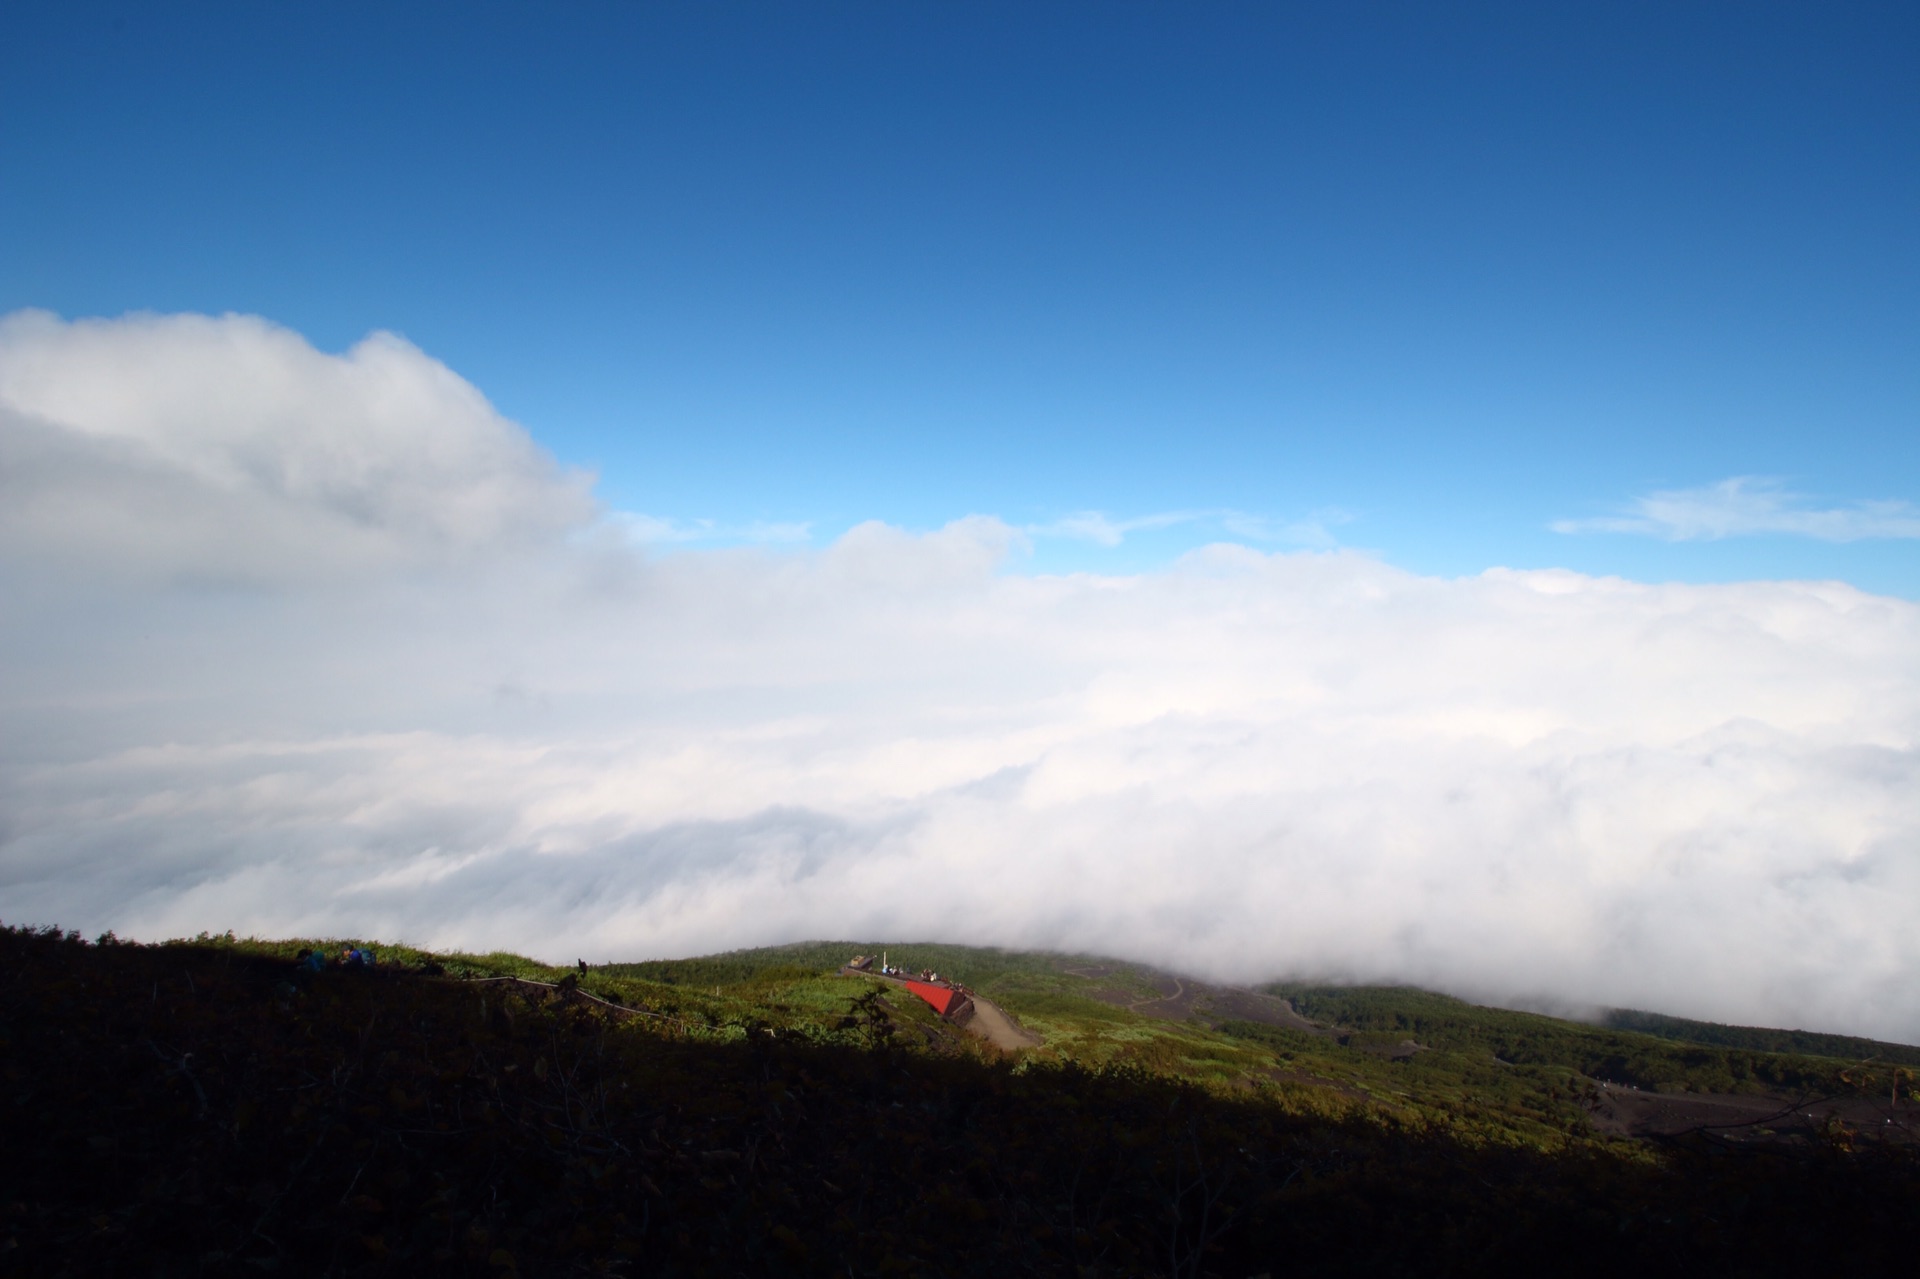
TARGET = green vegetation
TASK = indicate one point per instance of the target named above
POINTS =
(1805, 1043)
(988, 970)
(208, 1107)
(1465, 1035)
(1481, 1073)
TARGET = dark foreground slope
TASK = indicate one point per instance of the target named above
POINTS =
(188, 1110)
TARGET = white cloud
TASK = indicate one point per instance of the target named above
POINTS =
(655, 530)
(1314, 532)
(1747, 505)
(229, 448)
(1103, 530)
(1703, 799)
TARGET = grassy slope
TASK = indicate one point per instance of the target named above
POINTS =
(1483, 1073)
(1761, 1039)
(1541, 1048)
(1513, 1074)
(201, 1108)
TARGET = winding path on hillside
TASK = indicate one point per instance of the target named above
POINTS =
(1179, 993)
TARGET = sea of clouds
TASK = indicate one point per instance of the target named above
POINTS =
(303, 643)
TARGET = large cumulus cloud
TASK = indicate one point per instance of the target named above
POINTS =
(306, 643)
(230, 449)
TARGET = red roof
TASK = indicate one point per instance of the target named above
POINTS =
(941, 997)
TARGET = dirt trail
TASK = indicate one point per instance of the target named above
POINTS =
(998, 1029)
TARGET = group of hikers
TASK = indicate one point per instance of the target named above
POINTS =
(314, 961)
(868, 964)
(865, 964)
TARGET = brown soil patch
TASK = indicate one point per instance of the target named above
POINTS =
(993, 1024)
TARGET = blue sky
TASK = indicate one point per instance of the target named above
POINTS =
(1425, 280)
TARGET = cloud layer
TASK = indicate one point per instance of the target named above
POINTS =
(301, 643)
